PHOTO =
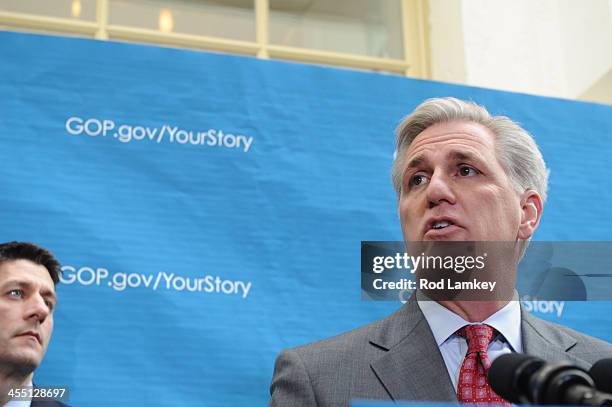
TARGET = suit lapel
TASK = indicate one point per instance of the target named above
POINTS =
(412, 368)
(544, 340)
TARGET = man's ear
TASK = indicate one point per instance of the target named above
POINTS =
(531, 213)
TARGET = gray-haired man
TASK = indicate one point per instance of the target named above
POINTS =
(460, 175)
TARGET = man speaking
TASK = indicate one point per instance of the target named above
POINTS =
(460, 175)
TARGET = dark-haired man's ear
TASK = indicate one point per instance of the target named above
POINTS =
(531, 213)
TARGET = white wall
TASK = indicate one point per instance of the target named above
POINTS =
(586, 26)
(447, 51)
(556, 48)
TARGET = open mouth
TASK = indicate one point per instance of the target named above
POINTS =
(440, 227)
(441, 224)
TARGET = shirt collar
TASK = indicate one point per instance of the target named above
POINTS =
(444, 323)
(22, 403)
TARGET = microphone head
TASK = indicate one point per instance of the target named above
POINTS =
(601, 373)
(509, 375)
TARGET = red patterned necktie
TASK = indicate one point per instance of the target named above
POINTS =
(473, 386)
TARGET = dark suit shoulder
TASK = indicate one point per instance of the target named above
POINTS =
(48, 403)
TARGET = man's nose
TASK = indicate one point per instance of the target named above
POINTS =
(440, 190)
(37, 308)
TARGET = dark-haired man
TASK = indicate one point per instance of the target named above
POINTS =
(28, 275)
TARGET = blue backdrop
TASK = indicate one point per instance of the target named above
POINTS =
(209, 209)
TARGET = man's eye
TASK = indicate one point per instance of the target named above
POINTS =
(50, 305)
(15, 293)
(466, 171)
(417, 180)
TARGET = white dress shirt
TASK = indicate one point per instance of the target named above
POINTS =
(444, 324)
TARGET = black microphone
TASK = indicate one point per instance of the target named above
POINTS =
(523, 379)
(601, 372)
(509, 376)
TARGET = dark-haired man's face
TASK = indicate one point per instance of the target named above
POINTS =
(27, 299)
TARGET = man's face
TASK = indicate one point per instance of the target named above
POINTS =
(454, 187)
(27, 299)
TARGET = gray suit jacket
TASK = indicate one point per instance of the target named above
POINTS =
(397, 358)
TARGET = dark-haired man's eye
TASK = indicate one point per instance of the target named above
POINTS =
(15, 293)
